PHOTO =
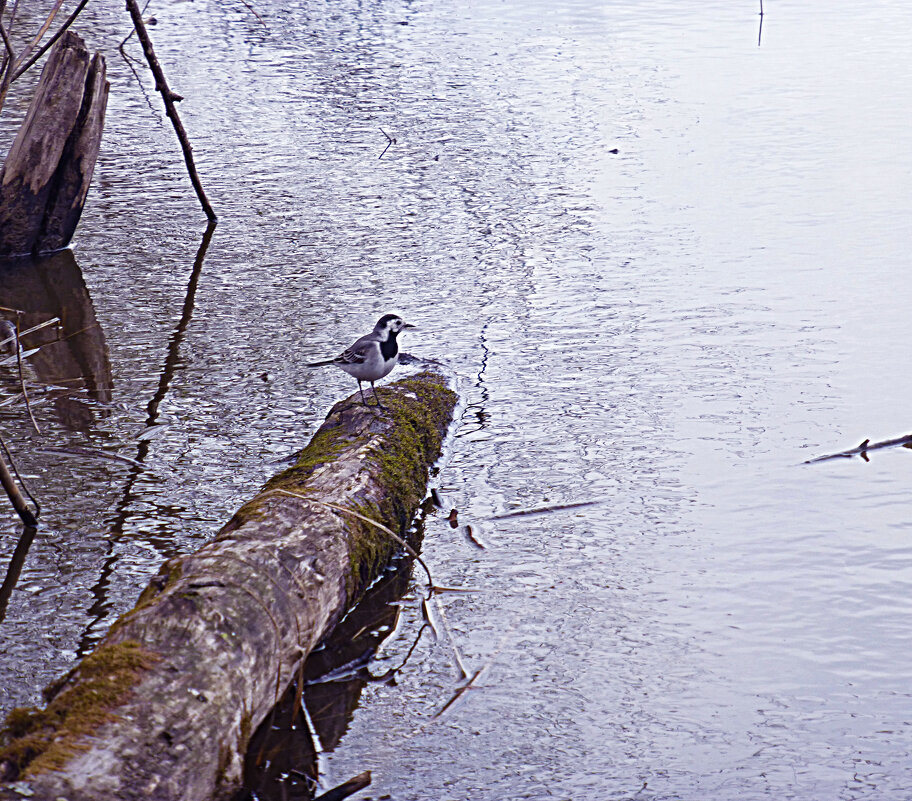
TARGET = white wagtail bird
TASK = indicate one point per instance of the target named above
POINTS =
(373, 356)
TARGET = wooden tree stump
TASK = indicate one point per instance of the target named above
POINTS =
(166, 704)
(46, 175)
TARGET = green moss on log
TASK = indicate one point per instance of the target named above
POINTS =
(421, 414)
(326, 443)
(35, 740)
(422, 407)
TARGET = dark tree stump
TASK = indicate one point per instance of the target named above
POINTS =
(49, 167)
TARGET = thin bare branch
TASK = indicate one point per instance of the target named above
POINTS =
(15, 496)
(32, 330)
(864, 447)
(449, 632)
(28, 404)
(41, 31)
(543, 509)
(6, 42)
(50, 42)
(132, 30)
(252, 10)
(19, 477)
(161, 83)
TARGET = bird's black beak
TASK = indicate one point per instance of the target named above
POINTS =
(409, 325)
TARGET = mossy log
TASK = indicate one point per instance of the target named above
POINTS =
(166, 704)
(49, 167)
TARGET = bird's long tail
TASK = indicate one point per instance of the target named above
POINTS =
(320, 364)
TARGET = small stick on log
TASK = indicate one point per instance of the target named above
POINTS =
(161, 84)
(863, 448)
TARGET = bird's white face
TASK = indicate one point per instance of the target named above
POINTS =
(391, 324)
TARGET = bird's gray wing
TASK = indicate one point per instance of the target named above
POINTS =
(357, 353)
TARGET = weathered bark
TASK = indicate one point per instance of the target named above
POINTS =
(49, 167)
(281, 760)
(166, 704)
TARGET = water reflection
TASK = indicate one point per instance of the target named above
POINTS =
(101, 606)
(282, 758)
(673, 328)
(72, 357)
(14, 569)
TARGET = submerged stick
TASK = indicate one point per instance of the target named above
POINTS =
(346, 789)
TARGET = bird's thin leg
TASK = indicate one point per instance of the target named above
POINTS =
(361, 391)
(376, 396)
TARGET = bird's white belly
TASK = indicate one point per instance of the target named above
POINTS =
(371, 369)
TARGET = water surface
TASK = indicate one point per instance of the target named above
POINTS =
(669, 330)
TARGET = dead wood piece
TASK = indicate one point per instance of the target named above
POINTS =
(218, 635)
(346, 789)
(49, 167)
(863, 449)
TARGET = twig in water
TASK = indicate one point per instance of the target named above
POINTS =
(15, 496)
(132, 30)
(542, 509)
(93, 453)
(470, 536)
(389, 141)
(458, 694)
(28, 405)
(387, 675)
(446, 627)
(12, 462)
(428, 618)
(760, 30)
(346, 789)
(252, 10)
(863, 448)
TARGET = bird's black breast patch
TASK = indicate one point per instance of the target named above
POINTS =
(389, 348)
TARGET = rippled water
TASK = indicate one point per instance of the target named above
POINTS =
(669, 330)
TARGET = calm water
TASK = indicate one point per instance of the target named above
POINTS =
(668, 330)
